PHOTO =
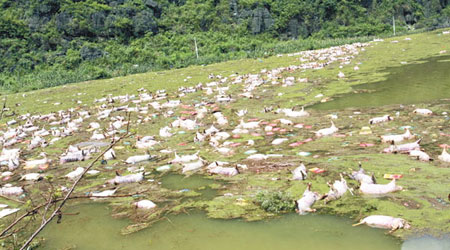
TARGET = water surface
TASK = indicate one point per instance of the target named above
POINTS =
(407, 84)
(198, 183)
(94, 228)
(178, 181)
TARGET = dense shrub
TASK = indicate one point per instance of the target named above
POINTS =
(275, 202)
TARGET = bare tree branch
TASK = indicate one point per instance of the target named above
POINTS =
(36, 209)
(57, 210)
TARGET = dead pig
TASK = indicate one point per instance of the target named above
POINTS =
(337, 190)
(385, 222)
(361, 176)
(403, 148)
(303, 205)
(131, 178)
(300, 173)
(376, 120)
(366, 188)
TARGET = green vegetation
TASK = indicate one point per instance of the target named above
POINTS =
(49, 43)
(275, 202)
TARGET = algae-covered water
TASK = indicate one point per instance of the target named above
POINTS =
(198, 183)
(180, 182)
(94, 228)
(406, 84)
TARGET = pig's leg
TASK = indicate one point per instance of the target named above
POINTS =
(311, 210)
(359, 223)
(393, 229)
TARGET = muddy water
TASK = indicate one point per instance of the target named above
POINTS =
(94, 228)
(407, 84)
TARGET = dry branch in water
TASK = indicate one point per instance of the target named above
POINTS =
(57, 211)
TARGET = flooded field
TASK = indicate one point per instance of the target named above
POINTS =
(224, 164)
(414, 83)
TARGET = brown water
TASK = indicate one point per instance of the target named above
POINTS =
(407, 84)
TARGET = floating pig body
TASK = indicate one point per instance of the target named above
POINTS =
(80, 155)
(258, 157)
(279, 141)
(138, 158)
(403, 148)
(31, 177)
(337, 190)
(420, 155)
(145, 204)
(11, 191)
(397, 138)
(299, 173)
(327, 131)
(385, 222)
(308, 199)
(146, 143)
(376, 120)
(248, 125)
(165, 132)
(192, 166)
(361, 176)
(75, 174)
(423, 112)
(131, 178)
(292, 113)
(366, 188)
(109, 155)
(224, 171)
(185, 158)
(445, 157)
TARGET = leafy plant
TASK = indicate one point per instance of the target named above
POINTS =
(275, 202)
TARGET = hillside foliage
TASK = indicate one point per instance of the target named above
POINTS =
(45, 43)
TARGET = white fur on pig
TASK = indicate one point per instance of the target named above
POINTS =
(11, 191)
(145, 204)
(385, 222)
(445, 157)
(366, 188)
(385, 118)
(192, 166)
(300, 173)
(327, 131)
(131, 178)
(308, 199)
